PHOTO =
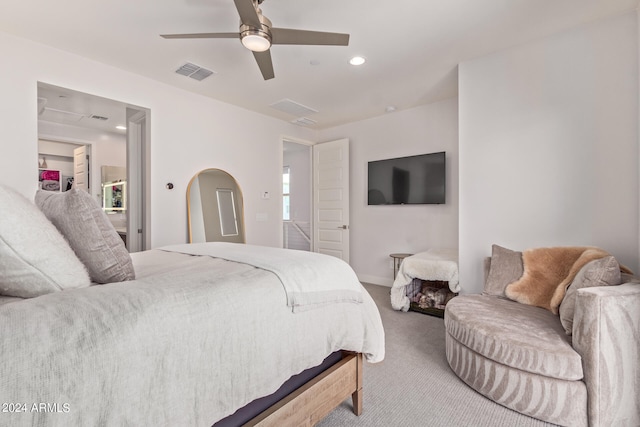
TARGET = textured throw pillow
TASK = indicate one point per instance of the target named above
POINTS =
(34, 257)
(89, 232)
(600, 272)
(506, 267)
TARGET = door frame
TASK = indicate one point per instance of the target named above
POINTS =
(138, 178)
(138, 144)
(310, 144)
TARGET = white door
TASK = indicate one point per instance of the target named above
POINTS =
(81, 168)
(331, 198)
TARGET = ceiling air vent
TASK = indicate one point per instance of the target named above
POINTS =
(291, 107)
(303, 121)
(194, 71)
(54, 115)
(96, 117)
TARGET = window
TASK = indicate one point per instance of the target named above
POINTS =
(286, 176)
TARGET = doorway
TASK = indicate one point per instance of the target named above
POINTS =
(296, 196)
(115, 138)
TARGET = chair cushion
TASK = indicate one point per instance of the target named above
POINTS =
(524, 337)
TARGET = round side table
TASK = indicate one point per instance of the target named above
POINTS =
(397, 260)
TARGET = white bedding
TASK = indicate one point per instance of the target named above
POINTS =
(309, 279)
(188, 342)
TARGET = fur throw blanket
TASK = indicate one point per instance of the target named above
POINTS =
(548, 272)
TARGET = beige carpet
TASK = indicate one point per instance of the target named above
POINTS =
(414, 385)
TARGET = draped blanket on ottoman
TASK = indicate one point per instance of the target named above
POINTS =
(433, 264)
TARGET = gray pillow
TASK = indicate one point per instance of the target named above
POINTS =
(600, 272)
(34, 257)
(89, 232)
(505, 268)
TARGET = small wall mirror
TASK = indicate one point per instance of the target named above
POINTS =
(215, 212)
(114, 188)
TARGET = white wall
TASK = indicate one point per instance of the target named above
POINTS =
(188, 133)
(377, 231)
(549, 146)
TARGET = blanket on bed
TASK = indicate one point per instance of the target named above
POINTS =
(188, 342)
(310, 279)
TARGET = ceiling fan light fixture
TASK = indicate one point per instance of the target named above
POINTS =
(256, 40)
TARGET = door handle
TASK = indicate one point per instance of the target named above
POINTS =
(344, 227)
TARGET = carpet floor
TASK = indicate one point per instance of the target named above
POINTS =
(414, 385)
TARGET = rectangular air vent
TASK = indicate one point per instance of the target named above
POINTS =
(53, 115)
(96, 117)
(303, 121)
(194, 71)
(201, 74)
(290, 107)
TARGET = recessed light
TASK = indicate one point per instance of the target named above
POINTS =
(390, 109)
(121, 127)
(357, 60)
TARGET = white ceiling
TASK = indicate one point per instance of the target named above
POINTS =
(69, 107)
(412, 47)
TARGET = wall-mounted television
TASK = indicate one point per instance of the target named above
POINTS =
(412, 180)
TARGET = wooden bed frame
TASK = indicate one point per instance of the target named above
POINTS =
(310, 403)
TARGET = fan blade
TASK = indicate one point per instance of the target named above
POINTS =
(289, 36)
(248, 13)
(202, 36)
(264, 62)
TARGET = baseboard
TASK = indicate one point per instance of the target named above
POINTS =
(376, 280)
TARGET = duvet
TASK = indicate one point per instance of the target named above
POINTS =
(192, 339)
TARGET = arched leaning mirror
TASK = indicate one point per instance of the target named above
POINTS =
(215, 212)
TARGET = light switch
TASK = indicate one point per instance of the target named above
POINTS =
(266, 195)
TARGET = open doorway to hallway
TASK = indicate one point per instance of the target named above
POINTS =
(98, 145)
(296, 196)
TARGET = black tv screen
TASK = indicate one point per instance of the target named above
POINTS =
(413, 180)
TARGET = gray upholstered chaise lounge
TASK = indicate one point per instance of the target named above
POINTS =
(523, 357)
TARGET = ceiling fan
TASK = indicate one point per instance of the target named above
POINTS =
(257, 35)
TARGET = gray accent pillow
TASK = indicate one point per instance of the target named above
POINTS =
(89, 232)
(505, 268)
(599, 272)
(34, 257)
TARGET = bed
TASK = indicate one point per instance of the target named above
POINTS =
(197, 335)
